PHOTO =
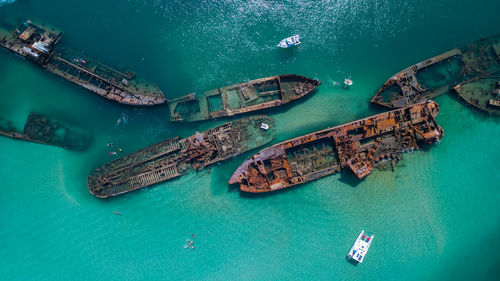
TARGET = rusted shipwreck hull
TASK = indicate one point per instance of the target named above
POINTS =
(37, 43)
(482, 93)
(43, 129)
(359, 146)
(241, 98)
(438, 75)
(174, 157)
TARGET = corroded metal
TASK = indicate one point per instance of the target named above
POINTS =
(241, 98)
(43, 129)
(37, 43)
(438, 75)
(174, 157)
(359, 146)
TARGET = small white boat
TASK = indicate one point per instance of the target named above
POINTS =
(360, 247)
(290, 42)
(347, 82)
(264, 126)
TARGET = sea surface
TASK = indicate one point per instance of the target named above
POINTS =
(435, 217)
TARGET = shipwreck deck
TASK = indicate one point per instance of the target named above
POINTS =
(359, 146)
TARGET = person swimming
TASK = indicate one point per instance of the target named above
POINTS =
(122, 120)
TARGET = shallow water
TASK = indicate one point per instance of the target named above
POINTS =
(431, 216)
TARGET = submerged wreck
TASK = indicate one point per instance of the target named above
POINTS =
(438, 75)
(38, 43)
(482, 93)
(241, 98)
(176, 156)
(360, 146)
(42, 129)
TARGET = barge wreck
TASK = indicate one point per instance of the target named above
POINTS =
(359, 146)
(176, 156)
(38, 43)
(241, 98)
(43, 129)
(438, 75)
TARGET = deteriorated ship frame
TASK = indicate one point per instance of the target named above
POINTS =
(438, 75)
(482, 93)
(359, 146)
(176, 156)
(42, 129)
(241, 98)
(38, 43)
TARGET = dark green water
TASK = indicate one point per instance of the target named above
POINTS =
(435, 217)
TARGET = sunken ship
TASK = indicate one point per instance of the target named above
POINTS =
(241, 98)
(359, 146)
(440, 74)
(176, 156)
(482, 93)
(39, 44)
(40, 128)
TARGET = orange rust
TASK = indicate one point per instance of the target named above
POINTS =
(360, 146)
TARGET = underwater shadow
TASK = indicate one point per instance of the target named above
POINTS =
(349, 179)
(351, 261)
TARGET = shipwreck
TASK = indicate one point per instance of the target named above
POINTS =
(40, 128)
(440, 74)
(176, 156)
(241, 98)
(39, 44)
(359, 146)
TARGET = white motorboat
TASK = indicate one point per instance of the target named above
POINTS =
(360, 247)
(290, 42)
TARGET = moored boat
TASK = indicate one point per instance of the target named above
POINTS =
(438, 75)
(360, 247)
(359, 146)
(241, 98)
(176, 156)
(291, 41)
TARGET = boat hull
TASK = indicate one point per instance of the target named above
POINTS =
(438, 75)
(109, 83)
(40, 128)
(482, 93)
(359, 146)
(241, 98)
(175, 157)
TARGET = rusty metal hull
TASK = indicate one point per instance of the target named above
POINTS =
(174, 157)
(38, 43)
(438, 75)
(241, 98)
(359, 146)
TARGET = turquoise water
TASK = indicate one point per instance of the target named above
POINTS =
(436, 216)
